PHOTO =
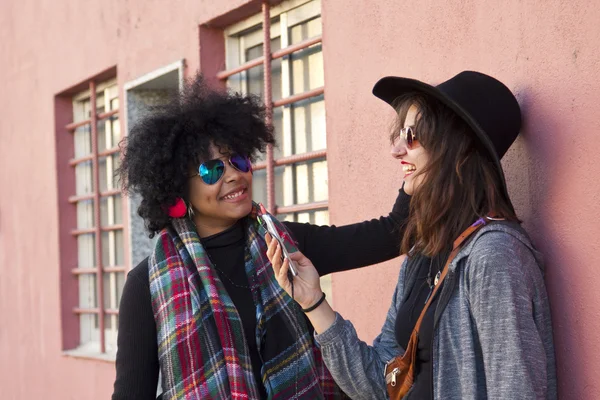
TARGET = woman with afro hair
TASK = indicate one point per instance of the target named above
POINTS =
(204, 308)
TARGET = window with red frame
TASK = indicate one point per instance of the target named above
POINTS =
(288, 74)
(99, 218)
(278, 55)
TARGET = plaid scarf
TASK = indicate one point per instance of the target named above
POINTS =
(201, 345)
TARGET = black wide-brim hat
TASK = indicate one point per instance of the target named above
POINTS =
(483, 102)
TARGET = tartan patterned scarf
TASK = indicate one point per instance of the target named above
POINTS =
(202, 350)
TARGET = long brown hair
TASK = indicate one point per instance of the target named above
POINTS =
(460, 183)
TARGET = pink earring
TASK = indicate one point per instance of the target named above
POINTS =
(178, 209)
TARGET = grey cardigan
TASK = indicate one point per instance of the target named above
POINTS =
(492, 329)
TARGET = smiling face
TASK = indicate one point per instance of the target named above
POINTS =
(219, 206)
(413, 158)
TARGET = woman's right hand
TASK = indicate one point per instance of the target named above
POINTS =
(307, 286)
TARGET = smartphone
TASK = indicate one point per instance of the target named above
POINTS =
(270, 226)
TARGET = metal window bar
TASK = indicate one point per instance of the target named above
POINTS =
(289, 160)
(108, 193)
(296, 208)
(96, 310)
(270, 163)
(97, 229)
(111, 228)
(269, 102)
(79, 310)
(299, 97)
(74, 125)
(89, 157)
(78, 232)
(93, 270)
(97, 235)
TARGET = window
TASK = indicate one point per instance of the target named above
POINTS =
(290, 179)
(298, 175)
(98, 223)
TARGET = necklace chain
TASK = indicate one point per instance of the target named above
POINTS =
(431, 282)
(229, 279)
(225, 275)
(429, 277)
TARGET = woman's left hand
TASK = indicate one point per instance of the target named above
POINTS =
(307, 287)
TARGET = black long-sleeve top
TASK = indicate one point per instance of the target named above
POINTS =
(330, 248)
(408, 314)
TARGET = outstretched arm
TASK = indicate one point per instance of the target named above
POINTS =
(335, 249)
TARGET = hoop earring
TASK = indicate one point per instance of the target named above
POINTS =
(190, 211)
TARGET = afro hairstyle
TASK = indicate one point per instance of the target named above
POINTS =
(175, 137)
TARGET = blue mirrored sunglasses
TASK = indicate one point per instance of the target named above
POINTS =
(213, 170)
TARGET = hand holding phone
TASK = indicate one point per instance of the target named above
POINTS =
(272, 229)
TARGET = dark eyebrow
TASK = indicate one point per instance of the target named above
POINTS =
(223, 157)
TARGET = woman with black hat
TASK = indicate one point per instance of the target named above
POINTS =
(470, 317)
(204, 308)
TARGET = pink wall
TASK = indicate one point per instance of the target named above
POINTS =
(545, 51)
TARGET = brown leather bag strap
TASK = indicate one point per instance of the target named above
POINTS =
(455, 249)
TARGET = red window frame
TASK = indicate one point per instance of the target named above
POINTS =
(71, 310)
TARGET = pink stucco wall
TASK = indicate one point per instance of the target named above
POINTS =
(545, 51)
